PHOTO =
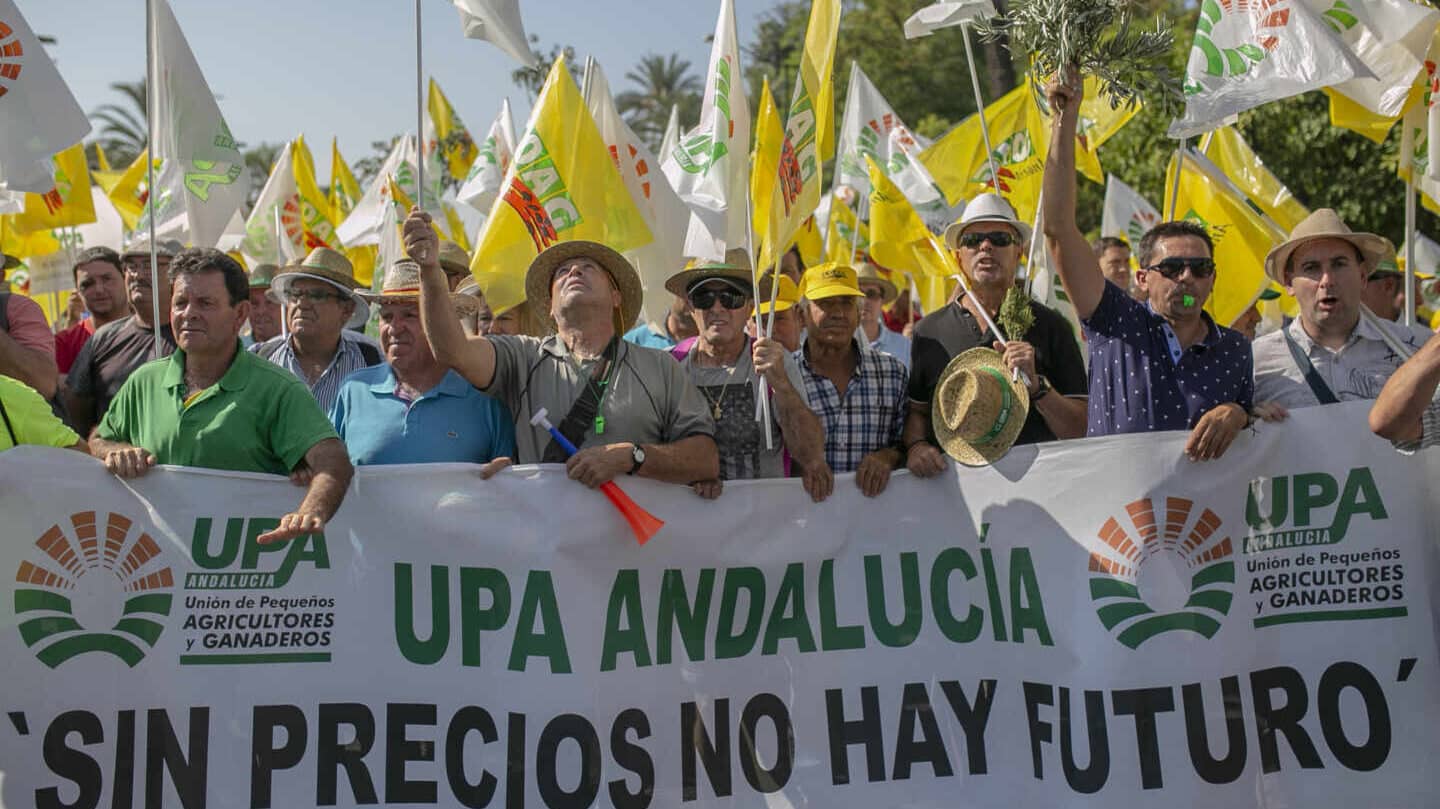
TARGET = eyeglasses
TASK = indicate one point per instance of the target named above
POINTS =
(873, 293)
(998, 238)
(312, 295)
(1173, 268)
(703, 299)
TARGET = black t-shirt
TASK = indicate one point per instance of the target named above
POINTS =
(108, 358)
(942, 334)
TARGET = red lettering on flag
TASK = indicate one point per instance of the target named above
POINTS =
(789, 177)
(53, 201)
(527, 206)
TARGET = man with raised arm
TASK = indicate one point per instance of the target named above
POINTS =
(630, 410)
(1160, 363)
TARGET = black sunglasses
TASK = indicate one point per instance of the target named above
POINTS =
(1173, 268)
(703, 299)
(999, 238)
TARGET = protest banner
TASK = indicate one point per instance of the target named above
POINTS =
(1252, 632)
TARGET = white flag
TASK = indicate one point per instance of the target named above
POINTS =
(1390, 37)
(1127, 215)
(497, 22)
(487, 174)
(1045, 285)
(1417, 147)
(1244, 56)
(274, 232)
(362, 226)
(710, 168)
(39, 116)
(203, 170)
(665, 214)
(932, 18)
(1427, 254)
(671, 138)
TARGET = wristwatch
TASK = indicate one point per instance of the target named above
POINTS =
(1042, 387)
(637, 458)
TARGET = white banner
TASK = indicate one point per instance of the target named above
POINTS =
(1253, 632)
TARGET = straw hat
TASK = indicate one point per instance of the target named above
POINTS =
(402, 285)
(542, 270)
(869, 272)
(453, 258)
(735, 267)
(830, 280)
(141, 247)
(985, 208)
(330, 266)
(1324, 223)
(978, 409)
(785, 297)
(263, 276)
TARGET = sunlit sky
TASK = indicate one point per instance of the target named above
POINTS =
(346, 68)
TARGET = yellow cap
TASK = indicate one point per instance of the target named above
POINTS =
(831, 280)
(785, 297)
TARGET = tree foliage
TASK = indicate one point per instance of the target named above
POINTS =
(123, 129)
(661, 82)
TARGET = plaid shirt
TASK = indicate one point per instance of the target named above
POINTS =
(870, 414)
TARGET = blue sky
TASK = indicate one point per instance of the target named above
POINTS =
(347, 67)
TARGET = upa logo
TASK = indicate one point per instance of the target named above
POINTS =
(1155, 571)
(84, 593)
(1232, 36)
(10, 52)
(1313, 508)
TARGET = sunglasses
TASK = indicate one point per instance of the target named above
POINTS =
(702, 299)
(998, 238)
(1173, 268)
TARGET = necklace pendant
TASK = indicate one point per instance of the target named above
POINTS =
(716, 411)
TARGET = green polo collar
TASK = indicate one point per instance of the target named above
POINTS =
(235, 378)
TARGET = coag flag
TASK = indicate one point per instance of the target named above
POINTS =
(1127, 215)
(497, 22)
(1233, 156)
(1244, 56)
(67, 202)
(39, 116)
(899, 238)
(482, 184)
(665, 214)
(708, 168)
(847, 238)
(344, 191)
(274, 232)
(319, 229)
(809, 127)
(1099, 121)
(764, 161)
(457, 148)
(1018, 135)
(1242, 236)
(561, 186)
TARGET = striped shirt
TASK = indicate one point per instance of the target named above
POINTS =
(868, 417)
(347, 360)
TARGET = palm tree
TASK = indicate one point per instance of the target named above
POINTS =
(123, 128)
(664, 81)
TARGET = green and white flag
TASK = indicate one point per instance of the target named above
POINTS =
(362, 226)
(487, 174)
(1390, 37)
(38, 114)
(274, 232)
(1127, 215)
(1245, 55)
(710, 168)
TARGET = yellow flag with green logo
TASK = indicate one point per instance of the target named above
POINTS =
(456, 226)
(129, 193)
(809, 128)
(344, 190)
(899, 239)
(847, 239)
(1242, 236)
(68, 202)
(561, 186)
(769, 139)
(319, 228)
(1228, 151)
(456, 145)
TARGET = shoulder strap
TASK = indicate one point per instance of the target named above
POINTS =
(370, 353)
(267, 349)
(1307, 368)
(4, 311)
(14, 441)
(584, 410)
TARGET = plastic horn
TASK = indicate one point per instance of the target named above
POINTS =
(643, 523)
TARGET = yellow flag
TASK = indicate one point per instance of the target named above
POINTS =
(1228, 151)
(456, 145)
(1242, 237)
(456, 226)
(809, 127)
(129, 193)
(101, 163)
(847, 240)
(363, 260)
(1354, 116)
(899, 239)
(769, 139)
(68, 202)
(810, 242)
(315, 213)
(25, 245)
(561, 186)
(344, 191)
(958, 163)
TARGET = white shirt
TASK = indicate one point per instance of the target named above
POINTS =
(1356, 371)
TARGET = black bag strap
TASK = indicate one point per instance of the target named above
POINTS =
(1307, 368)
(583, 411)
(14, 441)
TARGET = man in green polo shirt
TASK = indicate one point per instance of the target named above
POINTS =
(25, 418)
(214, 406)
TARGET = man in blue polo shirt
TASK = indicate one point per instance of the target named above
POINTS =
(412, 409)
(1160, 363)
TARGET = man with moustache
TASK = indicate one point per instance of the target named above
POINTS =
(1157, 364)
(212, 405)
(265, 310)
(100, 280)
(118, 348)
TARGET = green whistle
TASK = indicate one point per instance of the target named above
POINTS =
(1188, 300)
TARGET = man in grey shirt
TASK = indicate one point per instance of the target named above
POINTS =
(629, 409)
(1336, 350)
(723, 362)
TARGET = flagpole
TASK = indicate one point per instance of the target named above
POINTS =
(1410, 250)
(764, 411)
(980, 106)
(861, 209)
(1179, 166)
(151, 196)
(1035, 239)
(419, 115)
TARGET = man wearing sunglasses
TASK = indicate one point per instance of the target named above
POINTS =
(1156, 364)
(988, 242)
(723, 363)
